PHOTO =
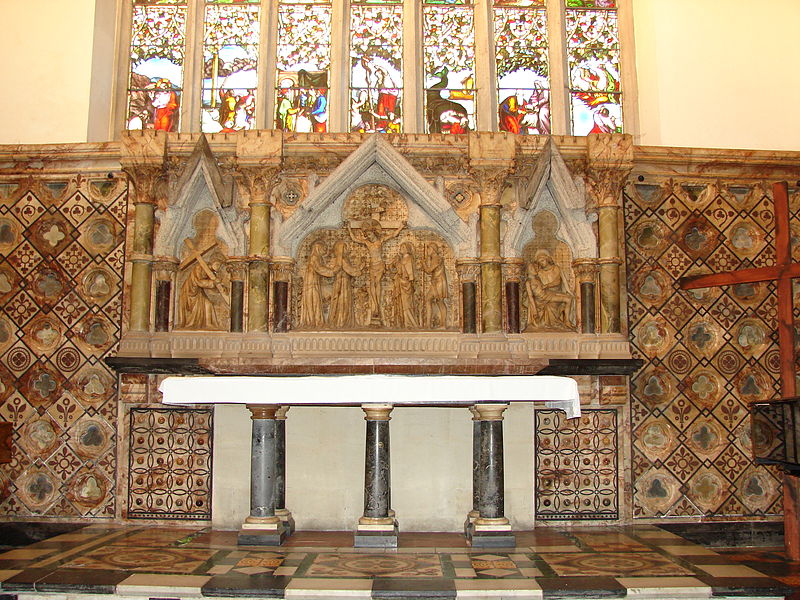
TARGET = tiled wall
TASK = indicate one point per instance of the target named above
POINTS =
(708, 353)
(61, 259)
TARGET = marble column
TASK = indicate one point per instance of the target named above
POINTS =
(377, 528)
(586, 274)
(491, 528)
(280, 480)
(791, 516)
(476, 453)
(491, 270)
(263, 527)
(141, 271)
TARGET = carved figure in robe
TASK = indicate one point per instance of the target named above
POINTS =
(405, 313)
(311, 311)
(436, 292)
(551, 304)
(198, 306)
(373, 237)
(340, 314)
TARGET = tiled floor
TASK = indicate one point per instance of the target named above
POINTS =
(642, 562)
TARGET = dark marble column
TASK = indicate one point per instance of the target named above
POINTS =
(263, 527)
(491, 528)
(587, 308)
(377, 528)
(476, 449)
(280, 480)
(163, 297)
(468, 302)
(512, 306)
(237, 306)
(281, 300)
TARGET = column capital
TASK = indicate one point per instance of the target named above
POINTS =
(490, 412)
(256, 182)
(263, 411)
(475, 414)
(282, 268)
(280, 414)
(491, 180)
(377, 412)
(585, 269)
(609, 163)
(148, 181)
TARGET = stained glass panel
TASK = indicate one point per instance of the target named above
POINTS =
(304, 33)
(230, 66)
(594, 70)
(592, 4)
(449, 62)
(156, 69)
(523, 83)
(376, 67)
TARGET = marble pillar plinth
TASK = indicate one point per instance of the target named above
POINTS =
(377, 527)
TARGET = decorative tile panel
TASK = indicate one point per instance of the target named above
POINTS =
(169, 474)
(576, 465)
(708, 353)
(54, 333)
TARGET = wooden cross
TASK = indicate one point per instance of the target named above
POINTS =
(783, 272)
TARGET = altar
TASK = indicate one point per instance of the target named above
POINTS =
(269, 399)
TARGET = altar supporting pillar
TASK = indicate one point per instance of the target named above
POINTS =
(377, 528)
(491, 529)
(476, 454)
(280, 480)
(263, 527)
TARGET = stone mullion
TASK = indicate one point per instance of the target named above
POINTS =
(485, 67)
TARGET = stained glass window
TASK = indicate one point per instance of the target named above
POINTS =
(593, 56)
(449, 66)
(304, 35)
(376, 66)
(155, 79)
(521, 54)
(230, 65)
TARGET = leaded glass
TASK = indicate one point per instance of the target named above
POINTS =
(156, 69)
(594, 70)
(449, 62)
(592, 4)
(230, 66)
(304, 33)
(523, 84)
(376, 67)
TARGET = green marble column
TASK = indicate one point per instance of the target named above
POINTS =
(491, 270)
(609, 269)
(141, 272)
(258, 286)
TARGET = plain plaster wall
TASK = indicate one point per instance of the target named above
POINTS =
(718, 73)
(431, 467)
(45, 71)
(711, 73)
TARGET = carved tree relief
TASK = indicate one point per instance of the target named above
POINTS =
(373, 272)
(549, 280)
(203, 281)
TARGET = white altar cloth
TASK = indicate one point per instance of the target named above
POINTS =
(354, 390)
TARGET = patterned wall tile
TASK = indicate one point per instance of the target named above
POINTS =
(708, 353)
(576, 465)
(169, 473)
(60, 293)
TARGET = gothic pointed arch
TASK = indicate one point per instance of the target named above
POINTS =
(375, 162)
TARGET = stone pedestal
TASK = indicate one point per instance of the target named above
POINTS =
(377, 528)
(491, 529)
(263, 527)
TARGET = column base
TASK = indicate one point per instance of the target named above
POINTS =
(470, 520)
(262, 534)
(491, 533)
(287, 519)
(376, 536)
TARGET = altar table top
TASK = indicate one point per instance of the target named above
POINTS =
(355, 390)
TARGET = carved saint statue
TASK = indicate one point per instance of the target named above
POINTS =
(405, 313)
(436, 292)
(551, 304)
(311, 311)
(200, 293)
(341, 315)
(373, 237)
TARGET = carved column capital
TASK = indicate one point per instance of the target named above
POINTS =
(148, 182)
(512, 269)
(609, 163)
(377, 412)
(469, 269)
(585, 269)
(282, 268)
(164, 267)
(491, 412)
(490, 181)
(256, 182)
(263, 411)
(237, 267)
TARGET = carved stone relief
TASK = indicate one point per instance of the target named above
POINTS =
(374, 272)
(550, 302)
(203, 302)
